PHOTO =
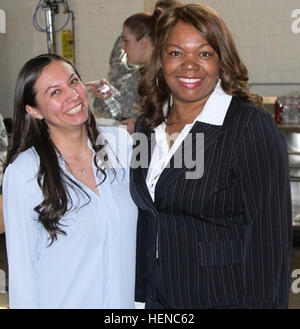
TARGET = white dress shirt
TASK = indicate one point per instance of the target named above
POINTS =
(214, 112)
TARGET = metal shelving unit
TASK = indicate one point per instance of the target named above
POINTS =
(292, 135)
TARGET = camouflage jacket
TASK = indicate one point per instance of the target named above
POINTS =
(3, 146)
(125, 79)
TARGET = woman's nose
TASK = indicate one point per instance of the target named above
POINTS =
(73, 94)
(190, 64)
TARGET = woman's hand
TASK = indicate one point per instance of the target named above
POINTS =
(95, 87)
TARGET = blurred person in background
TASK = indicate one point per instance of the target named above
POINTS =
(3, 154)
(3, 147)
(130, 52)
(8, 126)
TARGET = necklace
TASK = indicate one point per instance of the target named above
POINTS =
(72, 168)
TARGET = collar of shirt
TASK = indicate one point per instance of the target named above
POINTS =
(100, 161)
(214, 112)
(215, 109)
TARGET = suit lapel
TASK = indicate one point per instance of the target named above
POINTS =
(191, 148)
(139, 173)
(174, 169)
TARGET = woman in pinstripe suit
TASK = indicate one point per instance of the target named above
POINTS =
(217, 235)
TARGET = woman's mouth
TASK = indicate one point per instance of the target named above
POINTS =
(75, 109)
(190, 82)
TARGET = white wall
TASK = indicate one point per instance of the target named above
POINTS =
(97, 24)
(264, 38)
(19, 43)
(262, 30)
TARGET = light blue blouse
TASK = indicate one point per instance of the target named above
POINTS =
(93, 266)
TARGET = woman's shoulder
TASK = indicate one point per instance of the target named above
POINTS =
(26, 163)
(116, 133)
(250, 112)
(254, 123)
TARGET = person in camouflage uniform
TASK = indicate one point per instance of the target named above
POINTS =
(3, 147)
(124, 77)
(119, 69)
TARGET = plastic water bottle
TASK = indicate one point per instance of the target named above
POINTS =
(294, 110)
(287, 112)
(298, 110)
(111, 99)
(279, 105)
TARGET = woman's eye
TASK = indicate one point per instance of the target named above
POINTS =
(55, 92)
(74, 81)
(175, 53)
(205, 54)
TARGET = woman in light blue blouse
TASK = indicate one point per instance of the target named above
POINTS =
(69, 218)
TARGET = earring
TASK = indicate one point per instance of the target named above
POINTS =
(171, 100)
(167, 106)
(157, 85)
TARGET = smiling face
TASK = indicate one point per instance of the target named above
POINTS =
(190, 65)
(61, 97)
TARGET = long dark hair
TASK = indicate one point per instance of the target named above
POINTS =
(233, 73)
(29, 132)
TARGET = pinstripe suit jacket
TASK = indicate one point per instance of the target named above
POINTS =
(223, 240)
